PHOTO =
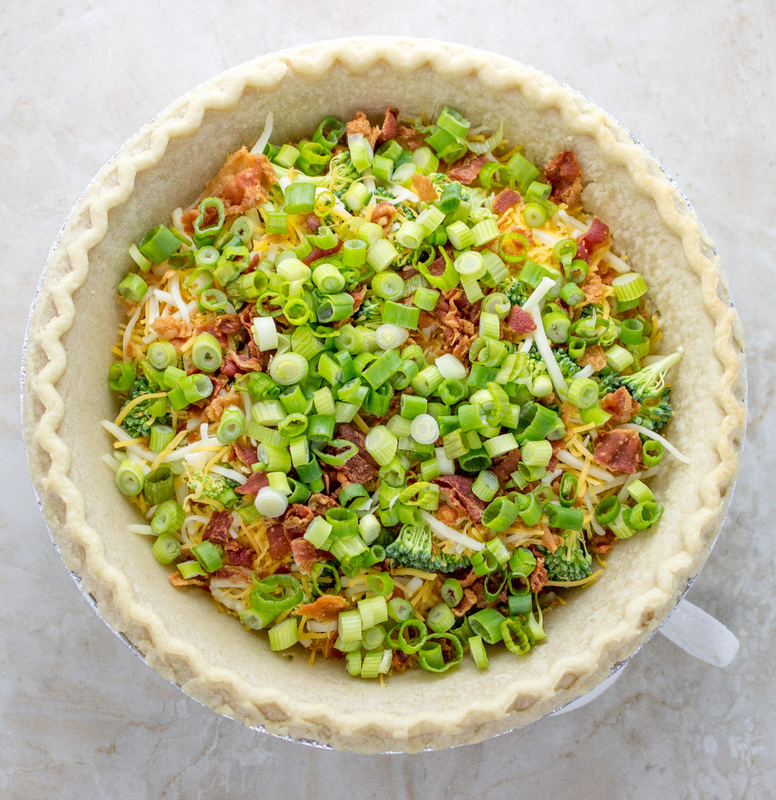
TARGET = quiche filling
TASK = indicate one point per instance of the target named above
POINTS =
(386, 391)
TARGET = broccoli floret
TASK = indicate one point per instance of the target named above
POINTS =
(213, 487)
(344, 172)
(570, 562)
(515, 291)
(609, 380)
(408, 212)
(138, 420)
(655, 417)
(412, 549)
(648, 383)
(568, 367)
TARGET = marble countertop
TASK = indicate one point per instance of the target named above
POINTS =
(80, 716)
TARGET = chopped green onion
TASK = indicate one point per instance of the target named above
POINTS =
(499, 514)
(158, 485)
(160, 242)
(381, 444)
(231, 425)
(299, 198)
(132, 287)
(487, 624)
(284, 634)
(381, 255)
(477, 650)
(166, 549)
(208, 555)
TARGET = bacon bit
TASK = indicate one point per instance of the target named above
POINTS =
(296, 520)
(174, 330)
(399, 660)
(468, 600)
(325, 609)
(557, 446)
(504, 200)
(319, 504)
(330, 651)
(253, 263)
(466, 169)
(551, 540)
(358, 299)
(246, 454)
(390, 125)
(252, 486)
(222, 327)
(176, 579)
(306, 555)
(469, 579)
(234, 363)
(360, 468)
(620, 405)
(243, 182)
(507, 464)
(279, 546)
(318, 252)
(215, 409)
(412, 137)
(236, 574)
(217, 528)
(360, 124)
(520, 321)
(565, 176)
(593, 287)
(312, 222)
(602, 544)
(423, 188)
(595, 356)
(620, 450)
(246, 316)
(459, 490)
(537, 580)
(447, 514)
(384, 214)
(596, 236)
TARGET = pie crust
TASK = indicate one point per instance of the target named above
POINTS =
(180, 633)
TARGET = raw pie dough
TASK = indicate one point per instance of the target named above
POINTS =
(181, 634)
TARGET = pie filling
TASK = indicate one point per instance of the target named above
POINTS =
(387, 391)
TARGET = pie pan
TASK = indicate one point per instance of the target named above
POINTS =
(180, 633)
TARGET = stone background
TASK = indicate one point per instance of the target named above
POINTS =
(80, 717)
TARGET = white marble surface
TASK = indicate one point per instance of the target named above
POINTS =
(80, 716)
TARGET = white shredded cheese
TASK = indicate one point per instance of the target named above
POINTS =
(577, 463)
(449, 534)
(232, 474)
(174, 284)
(128, 332)
(540, 337)
(143, 530)
(258, 148)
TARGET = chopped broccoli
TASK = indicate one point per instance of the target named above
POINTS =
(609, 380)
(655, 417)
(412, 548)
(214, 487)
(647, 383)
(138, 421)
(570, 562)
(515, 291)
(408, 212)
(568, 366)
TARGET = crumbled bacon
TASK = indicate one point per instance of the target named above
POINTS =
(312, 222)
(619, 450)
(390, 126)
(411, 135)
(361, 468)
(215, 409)
(602, 544)
(466, 169)
(423, 188)
(384, 214)
(447, 514)
(176, 579)
(399, 660)
(174, 330)
(222, 327)
(319, 504)
(504, 200)
(468, 600)
(520, 321)
(296, 520)
(597, 235)
(360, 124)
(593, 287)
(565, 176)
(252, 486)
(234, 363)
(459, 490)
(236, 574)
(306, 555)
(243, 182)
(551, 540)
(593, 355)
(358, 298)
(506, 465)
(620, 405)
(537, 580)
(279, 546)
(325, 609)
(557, 445)
(319, 252)
(239, 555)
(330, 651)
(217, 528)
